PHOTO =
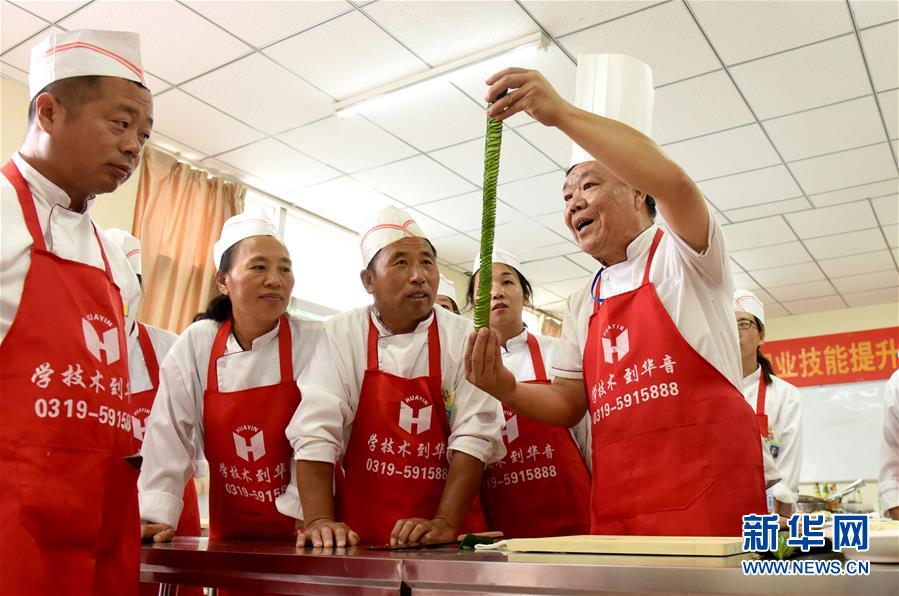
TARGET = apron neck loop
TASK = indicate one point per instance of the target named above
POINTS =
(146, 348)
(652, 253)
(536, 359)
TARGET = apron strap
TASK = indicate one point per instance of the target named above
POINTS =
(26, 201)
(285, 350)
(652, 253)
(218, 350)
(146, 348)
(434, 368)
(536, 359)
(760, 404)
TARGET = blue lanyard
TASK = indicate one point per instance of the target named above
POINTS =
(593, 287)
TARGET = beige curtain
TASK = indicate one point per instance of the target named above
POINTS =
(178, 217)
(550, 327)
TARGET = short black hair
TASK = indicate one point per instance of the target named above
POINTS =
(371, 263)
(526, 289)
(71, 92)
(650, 201)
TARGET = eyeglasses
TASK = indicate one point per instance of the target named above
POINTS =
(746, 324)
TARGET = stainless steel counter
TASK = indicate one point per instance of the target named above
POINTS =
(282, 568)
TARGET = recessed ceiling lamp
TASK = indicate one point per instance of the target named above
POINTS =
(437, 75)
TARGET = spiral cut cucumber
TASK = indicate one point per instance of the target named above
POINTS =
(488, 222)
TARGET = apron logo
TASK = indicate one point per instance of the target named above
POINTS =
(256, 445)
(108, 342)
(510, 430)
(139, 423)
(408, 419)
(619, 344)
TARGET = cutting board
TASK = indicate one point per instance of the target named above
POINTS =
(695, 546)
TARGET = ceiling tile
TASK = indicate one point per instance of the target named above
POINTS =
(176, 43)
(881, 44)
(769, 209)
(775, 310)
(874, 12)
(176, 148)
(440, 32)
(849, 243)
(771, 256)
(889, 105)
(464, 211)
(892, 235)
(17, 25)
(419, 116)
(826, 221)
(20, 56)
(415, 180)
(349, 144)
(724, 153)
(537, 253)
(261, 93)
(887, 209)
(858, 264)
(14, 73)
(761, 232)
(867, 281)
(554, 269)
(155, 84)
(788, 274)
(584, 260)
(534, 196)
(556, 223)
(825, 130)
(881, 296)
(568, 287)
(51, 10)
(518, 159)
(855, 193)
(678, 49)
(556, 309)
(195, 124)
(559, 18)
(457, 249)
(271, 20)
(802, 291)
(808, 77)
(844, 169)
(745, 30)
(541, 296)
(521, 235)
(697, 106)
(279, 164)
(750, 188)
(743, 280)
(364, 58)
(550, 140)
(342, 200)
(431, 227)
(823, 303)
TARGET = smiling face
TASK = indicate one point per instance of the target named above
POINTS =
(403, 279)
(259, 281)
(603, 213)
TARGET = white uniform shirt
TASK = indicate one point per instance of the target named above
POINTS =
(162, 341)
(784, 411)
(67, 234)
(321, 428)
(889, 450)
(517, 358)
(169, 447)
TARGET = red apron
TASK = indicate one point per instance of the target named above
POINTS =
(675, 449)
(761, 417)
(542, 486)
(395, 465)
(69, 506)
(249, 455)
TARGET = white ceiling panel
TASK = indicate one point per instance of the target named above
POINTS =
(176, 148)
(440, 32)
(364, 58)
(743, 280)
(788, 274)
(348, 144)
(849, 243)
(279, 164)
(176, 43)
(560, 18)
(17, 25)
(550, 140)
(867, 281)
(775, 310)
(769, 209)
(14, 73)
(518, 159)
(538, 253)
(584, 260)
(262, 94)
(20, 55)
(456, 249)
(724, 153)
(889, 105)
(844, 169)
(678, 49)
(195, 124)
(855, 193)
(415, 180)
(155, 84)
(464, 211)
(826, 130)
(556, 309)
(771, 256)
(823, 303)
(431, 227)
(892, 235)
(887, 209)
(520, 235)
(556, 223)
(827, 221)
(697, 106)
(802, 291)
(541, 296)
(858, 264)
(534, 196)
(342, 200)
(881, 296)
(762, 232)
(750, 188)
(881, 46)
(51, 10)
(419, 116)
(260, 23)
(874, 12)
(745, 30)
(808, 77)
(554, 269)
(569, 286)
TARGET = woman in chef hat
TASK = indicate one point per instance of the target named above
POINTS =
(230, 379)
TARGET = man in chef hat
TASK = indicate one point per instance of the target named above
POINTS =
(446, 295)
(70, 503)
(386, 400)
(649, 347)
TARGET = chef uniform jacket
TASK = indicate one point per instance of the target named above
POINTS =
(889, 450)
(169, 450)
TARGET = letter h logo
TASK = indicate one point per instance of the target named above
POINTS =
(619, 347)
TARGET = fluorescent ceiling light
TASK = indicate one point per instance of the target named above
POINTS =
(437, 75)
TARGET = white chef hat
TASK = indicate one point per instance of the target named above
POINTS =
(385, 227)
(499, 256)
(446, 288)
(615, 86)
(746, 301)
(82, 53)
(244, 225)
(129, 245)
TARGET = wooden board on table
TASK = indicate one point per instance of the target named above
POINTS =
(696, 546)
